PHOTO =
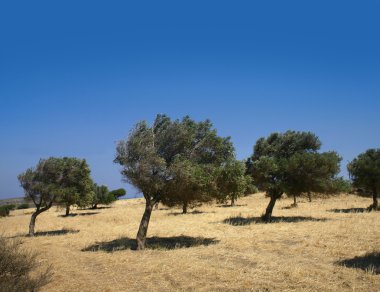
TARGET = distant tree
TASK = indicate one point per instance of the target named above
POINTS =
(148, 167)
(76, 184)
(101, 196)
(54, 180)
(231, 181)
(289, 162)
(311, 172)
(189, 185)
(364, 171)
(118, 193)
(42, 186)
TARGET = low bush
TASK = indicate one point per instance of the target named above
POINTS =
(23, 206)
(5, 210)
(18, 268)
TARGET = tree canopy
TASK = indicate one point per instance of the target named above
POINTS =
(150, 154)
(290, 163)
(364, 172)
(54, 180)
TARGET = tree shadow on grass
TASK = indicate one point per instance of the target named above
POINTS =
(369, 263)
(195, 212)
(79, 214)
(229, 205)
(241, 221)
(163, 243)
(349, 210)
(55, 232)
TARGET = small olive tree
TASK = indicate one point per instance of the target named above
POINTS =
(101, 196)
(232, 182)
(289, 163)
(118, 193)
(364, 171)
(54, 180)
(76, 185)
(42, 186)
(149, 155)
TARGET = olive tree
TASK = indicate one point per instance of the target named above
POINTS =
(364, 172)
(52, 181)
(118, 193)
(150, 154)
(42, 186)
(232, 182)
(76, 185)
(290, 163)
(101, 196)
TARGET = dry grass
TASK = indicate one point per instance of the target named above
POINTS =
(326, 245)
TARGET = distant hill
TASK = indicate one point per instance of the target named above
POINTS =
(15, 201)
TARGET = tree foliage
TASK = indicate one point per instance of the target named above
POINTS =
(231, 181)
(150, 154)
(364, 171)
(290, 163)
(55, 180)
(102, 196)
(118, 193)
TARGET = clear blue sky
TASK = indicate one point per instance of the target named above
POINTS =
(76, 76)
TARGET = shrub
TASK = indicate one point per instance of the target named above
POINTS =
(5, 210)
(23, 206)
(16, 267)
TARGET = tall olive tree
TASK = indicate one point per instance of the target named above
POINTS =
(364, 171)
(150, 154)
(290, 162)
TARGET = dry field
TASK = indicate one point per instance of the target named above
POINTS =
(309, 248)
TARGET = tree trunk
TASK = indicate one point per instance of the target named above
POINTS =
(95, 206)
(309, 195)
(232, 201)
(143, 229)
(184, 208)
(295, 201)
(268, 211)
(67, 210)
(33, 222)
(375, 205)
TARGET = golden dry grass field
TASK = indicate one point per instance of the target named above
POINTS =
(309, 248)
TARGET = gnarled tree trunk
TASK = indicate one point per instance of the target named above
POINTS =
(268, 212)
(143, 229)
(232, 201)
(33, 222)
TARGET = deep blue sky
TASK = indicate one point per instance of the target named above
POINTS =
(75, 76)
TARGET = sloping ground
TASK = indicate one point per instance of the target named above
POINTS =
(326, 245)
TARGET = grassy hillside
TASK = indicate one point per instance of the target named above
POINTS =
(309, 248)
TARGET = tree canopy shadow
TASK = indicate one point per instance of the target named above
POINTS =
(369, 262)
(195, 212)
(349, 210)
(163, 243)
(79, 214)
(55, 232)
(229, 205)
(241, 221)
